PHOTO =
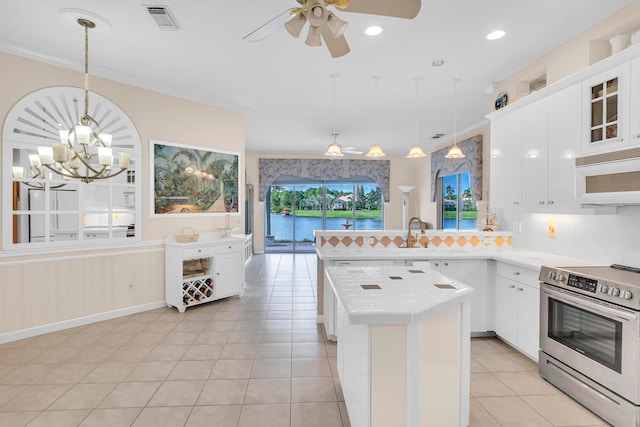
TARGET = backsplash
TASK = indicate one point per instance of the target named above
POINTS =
(603, 238)
(398, 238)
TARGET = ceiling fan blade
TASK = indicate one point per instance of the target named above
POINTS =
(337, 46)
(397, 8)
(270, 27)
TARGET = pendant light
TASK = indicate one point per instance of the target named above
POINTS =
(72, 157)
(455, 152)
(334, 148)
(375, 150)
(416, 152)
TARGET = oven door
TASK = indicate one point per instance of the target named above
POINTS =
(598, 339)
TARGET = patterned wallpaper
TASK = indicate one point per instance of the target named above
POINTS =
(323, 170)
(440, 165)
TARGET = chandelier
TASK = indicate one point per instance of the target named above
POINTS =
(74, 156)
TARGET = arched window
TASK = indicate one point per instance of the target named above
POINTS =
(41, 209)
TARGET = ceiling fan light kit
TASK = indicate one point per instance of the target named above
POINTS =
(327, 26)
(334, 151)
(295, 25)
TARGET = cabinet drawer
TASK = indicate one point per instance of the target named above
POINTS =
(519, 274)
(204, 251)
(229, 248)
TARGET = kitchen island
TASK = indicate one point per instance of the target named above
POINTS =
(403, 348)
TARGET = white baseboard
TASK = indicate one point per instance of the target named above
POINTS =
(80, 321)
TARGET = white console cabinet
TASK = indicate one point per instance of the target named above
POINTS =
(203, 271)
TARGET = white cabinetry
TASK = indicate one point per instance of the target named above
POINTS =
(550, 143)
(517, 307)
(202, 271)
(506, 161)
(471, 272)
(606, 110)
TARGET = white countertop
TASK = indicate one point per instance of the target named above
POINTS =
(522, 258)
(406, 294)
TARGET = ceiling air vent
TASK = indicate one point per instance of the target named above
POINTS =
(437, 135)
(163, 17)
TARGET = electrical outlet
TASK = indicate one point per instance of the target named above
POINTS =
(517, 227)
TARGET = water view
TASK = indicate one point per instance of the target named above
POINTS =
(282, 226)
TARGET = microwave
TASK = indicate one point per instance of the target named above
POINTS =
(611, 178)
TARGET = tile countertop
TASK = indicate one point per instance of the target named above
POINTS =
(405, 294)
(522, 258)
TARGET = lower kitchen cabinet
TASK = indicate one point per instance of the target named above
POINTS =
(472, 272)
(517, 308)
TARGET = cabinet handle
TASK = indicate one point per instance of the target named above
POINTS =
(217, 274)
(512, 286)
(550, 202)
(446, 264)
(516, 273)
(520, 289)
(516, 203)
(541, 202)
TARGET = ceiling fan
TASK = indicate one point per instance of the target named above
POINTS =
(325, 25)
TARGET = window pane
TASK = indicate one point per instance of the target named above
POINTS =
(458, 209)
(368, 203)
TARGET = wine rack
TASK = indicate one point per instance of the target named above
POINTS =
(194, 291)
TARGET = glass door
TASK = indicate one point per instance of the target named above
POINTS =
(279, 219)
(368, 207)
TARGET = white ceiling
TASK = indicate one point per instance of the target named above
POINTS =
(283, 86)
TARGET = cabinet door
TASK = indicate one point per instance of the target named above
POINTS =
(471, 272)
(605, 104)
(528, 319)
(535, 136)
(634, 103)
(506, 161)
(505, 307)
(229, 274)
(564, 145)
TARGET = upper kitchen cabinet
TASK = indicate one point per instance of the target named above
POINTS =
(533, 150)
(550, 143)
(605, 110)
(506, 163)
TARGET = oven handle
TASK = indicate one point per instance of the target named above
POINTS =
(594, 306)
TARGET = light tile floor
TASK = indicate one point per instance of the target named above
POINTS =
(259, 361)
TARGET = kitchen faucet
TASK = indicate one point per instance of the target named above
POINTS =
(411, 241)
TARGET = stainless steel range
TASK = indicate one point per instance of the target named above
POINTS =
(590, 337)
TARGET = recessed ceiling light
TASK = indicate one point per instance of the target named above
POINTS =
(373, 30)
(495, 35)
(437, 62)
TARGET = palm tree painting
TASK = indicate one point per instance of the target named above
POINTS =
(188, 179)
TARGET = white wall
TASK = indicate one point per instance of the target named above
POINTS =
(46, 288)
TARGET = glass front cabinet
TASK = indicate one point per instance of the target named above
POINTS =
(606, 110)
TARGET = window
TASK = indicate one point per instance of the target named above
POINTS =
(456, 208)
(294, 210)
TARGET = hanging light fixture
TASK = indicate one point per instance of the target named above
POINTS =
(455, 152)
(71, 157)
(416, 152)
(375, 150)
(334, 148)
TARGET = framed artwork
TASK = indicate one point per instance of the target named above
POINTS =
(189, 180)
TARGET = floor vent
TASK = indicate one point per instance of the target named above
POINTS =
(163, 17)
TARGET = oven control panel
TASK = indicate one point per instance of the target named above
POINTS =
(589, 285)
(617, 293)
